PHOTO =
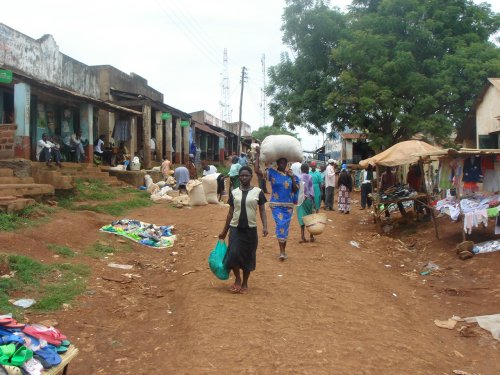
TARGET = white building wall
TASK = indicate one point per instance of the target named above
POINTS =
(488, 111)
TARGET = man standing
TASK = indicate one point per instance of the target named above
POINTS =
(329, 185)
(46, 150)
(243, 159)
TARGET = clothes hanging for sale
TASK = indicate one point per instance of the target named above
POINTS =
(472, 169)
(121, 131)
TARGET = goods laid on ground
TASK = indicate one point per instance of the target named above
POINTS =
(151, 235)
(196, 193)
(274, 147)
(315, 223)
(210, 188)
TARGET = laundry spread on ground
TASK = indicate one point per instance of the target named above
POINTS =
(159, 237)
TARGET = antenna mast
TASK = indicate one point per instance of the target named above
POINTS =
(263, 103)
(224, 103)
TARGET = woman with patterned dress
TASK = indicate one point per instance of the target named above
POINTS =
(317, 180)
(344, 184)
(285, 187)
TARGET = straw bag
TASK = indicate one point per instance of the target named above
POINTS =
(315, 223)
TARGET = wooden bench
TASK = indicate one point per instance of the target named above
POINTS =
(62, 368)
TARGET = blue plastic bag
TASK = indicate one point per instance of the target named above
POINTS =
(216, 258)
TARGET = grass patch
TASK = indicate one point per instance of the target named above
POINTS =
(63, 251)
(30, 216)
(100, 250)
(51, 285)
(94, 190)
(117, 208)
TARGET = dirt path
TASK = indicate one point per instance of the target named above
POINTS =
(330, 308)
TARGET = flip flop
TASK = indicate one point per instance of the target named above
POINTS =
(243, 291)
(21, 355)
(235, 288)
(283, 257)
(6, 351)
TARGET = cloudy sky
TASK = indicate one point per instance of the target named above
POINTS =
(178, 46)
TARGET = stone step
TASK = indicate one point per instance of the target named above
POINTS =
(6, 172)
(26, 190)
(9, 206)
(17, 180)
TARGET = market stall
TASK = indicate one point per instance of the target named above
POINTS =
(471, 180)
(401, 154)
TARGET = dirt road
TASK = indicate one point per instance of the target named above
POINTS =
(331, 308)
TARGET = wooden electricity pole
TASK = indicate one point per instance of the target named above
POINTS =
(243, 77)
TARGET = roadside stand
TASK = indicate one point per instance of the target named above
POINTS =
(471, 180)
(401, 155)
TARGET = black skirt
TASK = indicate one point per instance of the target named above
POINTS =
(242, 248)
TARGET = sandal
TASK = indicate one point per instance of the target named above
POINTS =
(283, 257)
(243, 291)
(20, 356)
(6, 351)
(235, 288)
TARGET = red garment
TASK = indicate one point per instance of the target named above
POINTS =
(487, 162)
(414, 181)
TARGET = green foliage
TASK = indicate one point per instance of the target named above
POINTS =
(64, 251)
(388, 67)
(94, 190)
(100, 250)
(30, 216)
(264, 131)
(51, 285)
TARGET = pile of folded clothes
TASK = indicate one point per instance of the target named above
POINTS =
(30, 347)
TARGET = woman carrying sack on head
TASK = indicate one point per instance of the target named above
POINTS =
(285, 187)
(241, 222)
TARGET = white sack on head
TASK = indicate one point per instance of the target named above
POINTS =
(275, 147)
(210, 189)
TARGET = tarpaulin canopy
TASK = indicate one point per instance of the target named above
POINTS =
(405, 152)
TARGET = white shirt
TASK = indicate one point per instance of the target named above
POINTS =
(41, 144)
(98, 148)
(211, 170)
(330, 176)
(296, 168)
(152, 144)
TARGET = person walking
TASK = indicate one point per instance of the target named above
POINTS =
(344, 185)
(306, 204)
(367, 186)
(241, 223)
(330, 185)
(234, 171)
(284, 186)
(317, 181)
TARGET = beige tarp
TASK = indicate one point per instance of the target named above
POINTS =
(405, 152)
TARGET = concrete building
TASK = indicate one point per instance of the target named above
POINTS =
(45, 91)
(482, 128)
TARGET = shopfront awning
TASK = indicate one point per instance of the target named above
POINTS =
(208, 129)
(107, 106)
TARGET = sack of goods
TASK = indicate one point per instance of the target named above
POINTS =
(275, 147)
(210, 187)
(196, 193)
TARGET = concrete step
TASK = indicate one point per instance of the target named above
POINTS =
(26, 190)
(9, 206)
(6, 172)
(17, 180)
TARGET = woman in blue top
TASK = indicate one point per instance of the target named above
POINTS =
(285, 187)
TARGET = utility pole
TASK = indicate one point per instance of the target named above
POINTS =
(243, 77)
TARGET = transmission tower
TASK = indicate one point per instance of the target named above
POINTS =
(225, 111)
(263, 102)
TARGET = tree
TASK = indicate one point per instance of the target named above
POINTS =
(392, 67)
(264, 131)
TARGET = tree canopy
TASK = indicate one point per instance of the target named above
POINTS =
(391, 68)
(264, 131)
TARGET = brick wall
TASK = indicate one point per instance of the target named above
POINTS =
(7, 135)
